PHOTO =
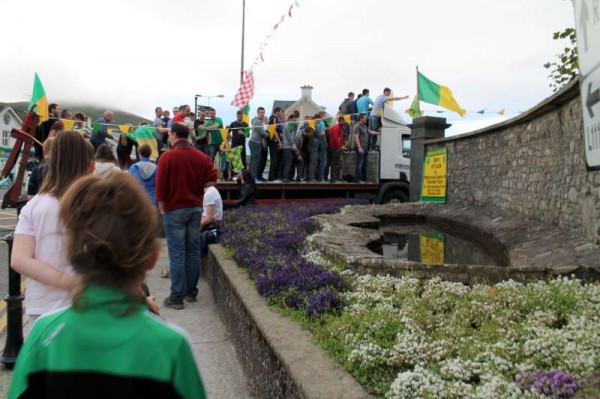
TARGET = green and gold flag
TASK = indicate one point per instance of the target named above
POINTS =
(235, 157)
(145, 135)
(433, 93)
(38, 99)
(414, 111)
(246, 118)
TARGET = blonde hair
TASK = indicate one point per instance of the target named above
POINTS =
(48, 146)
(110, 226)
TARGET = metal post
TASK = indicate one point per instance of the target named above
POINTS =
(14, 312)
(243, 32)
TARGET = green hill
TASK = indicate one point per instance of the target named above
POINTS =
(92, 111)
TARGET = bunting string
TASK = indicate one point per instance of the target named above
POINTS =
(501, 111)
(263, 45)
(69, 124)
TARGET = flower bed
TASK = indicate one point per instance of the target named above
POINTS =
(402, 338)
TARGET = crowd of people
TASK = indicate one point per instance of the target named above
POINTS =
(87, 236)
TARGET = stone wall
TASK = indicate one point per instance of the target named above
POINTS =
(278, 356)
(532, 165)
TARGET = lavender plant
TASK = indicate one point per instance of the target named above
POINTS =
(269, 241)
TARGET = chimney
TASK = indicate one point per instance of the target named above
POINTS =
(306, 91)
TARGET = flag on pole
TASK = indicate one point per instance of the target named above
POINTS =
(431, 92)
(414, 111)
(246, 90)
(235, 157)
(246, 118)
(145, 135)
(38, 99)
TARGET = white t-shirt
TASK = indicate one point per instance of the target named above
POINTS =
(212, 197)
(39, 219)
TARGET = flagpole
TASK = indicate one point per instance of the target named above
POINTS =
(243, 31)
(418, 99)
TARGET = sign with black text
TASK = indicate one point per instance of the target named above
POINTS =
(433, 188)
(587, 26)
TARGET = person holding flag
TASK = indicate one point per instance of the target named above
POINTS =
(377, 112)
(100, 129)
(238, 135)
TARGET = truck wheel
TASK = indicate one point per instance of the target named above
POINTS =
(394, 196)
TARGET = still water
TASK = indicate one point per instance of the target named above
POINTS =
(424, 244)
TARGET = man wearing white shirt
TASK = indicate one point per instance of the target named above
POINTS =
(212, 216)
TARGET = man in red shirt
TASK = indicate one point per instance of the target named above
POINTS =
(184, 110)
(336, 144)
(182, 174)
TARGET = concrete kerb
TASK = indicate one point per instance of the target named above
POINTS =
(277, 355)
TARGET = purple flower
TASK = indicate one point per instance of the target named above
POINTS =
(552, 383)
(269, 240)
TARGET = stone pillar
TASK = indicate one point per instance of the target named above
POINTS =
(423, 128)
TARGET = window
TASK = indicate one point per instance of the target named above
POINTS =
(406, 146)
(6, 138)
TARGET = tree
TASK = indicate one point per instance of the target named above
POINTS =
(567, 66)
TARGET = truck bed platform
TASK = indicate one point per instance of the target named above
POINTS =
(269, 192)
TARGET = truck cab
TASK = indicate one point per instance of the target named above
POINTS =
(394, 158)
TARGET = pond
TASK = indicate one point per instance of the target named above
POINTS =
(423, 243)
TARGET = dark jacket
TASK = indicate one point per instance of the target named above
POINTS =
(247, 195)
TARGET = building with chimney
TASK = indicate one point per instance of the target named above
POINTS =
(305, 105)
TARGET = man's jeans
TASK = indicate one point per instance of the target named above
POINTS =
(375, 122)
(255, 158)
(362, 161)
(322, 161)
(182, 230)
(213, 149)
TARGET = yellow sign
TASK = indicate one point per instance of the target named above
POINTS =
(432, 249)
(434, 176)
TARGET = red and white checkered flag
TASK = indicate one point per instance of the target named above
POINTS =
(246, 90)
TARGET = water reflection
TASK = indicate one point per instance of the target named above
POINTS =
(424, 244)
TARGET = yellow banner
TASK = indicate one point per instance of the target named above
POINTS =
(68, 123)
(109, 130)
(434, 176)
(311, 123)
(271, 129)
(224, 132)
(124, 128)
(432, 249)
(347, 119)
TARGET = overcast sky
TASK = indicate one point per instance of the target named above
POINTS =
(134, 55)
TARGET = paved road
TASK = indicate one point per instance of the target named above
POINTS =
(8, 220)
(221, 371)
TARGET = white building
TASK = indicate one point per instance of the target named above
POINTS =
(305, 105)
(8, 120)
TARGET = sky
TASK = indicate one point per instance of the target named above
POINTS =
(135, 55)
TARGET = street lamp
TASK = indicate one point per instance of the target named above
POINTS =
(209, 97)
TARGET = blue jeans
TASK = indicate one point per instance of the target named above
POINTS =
(255, 157)
(375, 122)
(362, 161)
(203, 147)
(213, 149)
(322, 161)
(182, 230)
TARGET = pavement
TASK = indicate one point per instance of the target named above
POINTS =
(220, 368)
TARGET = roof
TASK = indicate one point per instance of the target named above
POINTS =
(283, 104)
(19, 108)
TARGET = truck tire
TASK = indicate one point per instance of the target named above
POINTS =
(394, 195)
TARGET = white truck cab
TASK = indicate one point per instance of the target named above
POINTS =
(394, 157)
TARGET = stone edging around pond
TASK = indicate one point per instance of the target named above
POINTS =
(534, 250)
(277, 355)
